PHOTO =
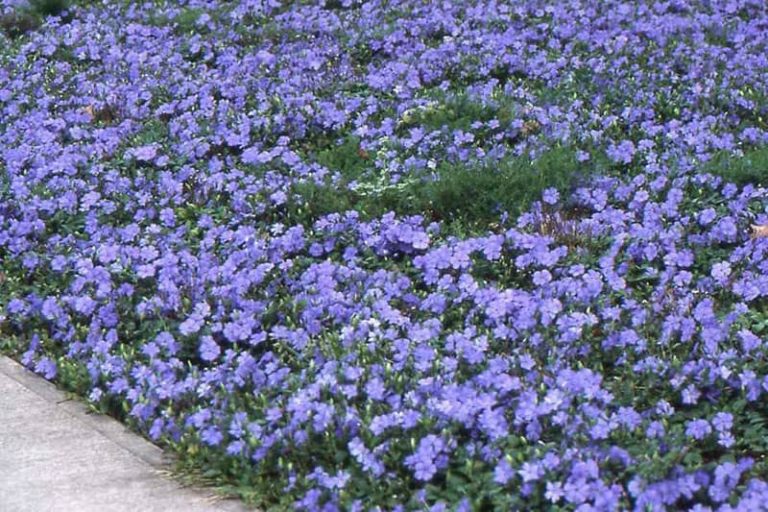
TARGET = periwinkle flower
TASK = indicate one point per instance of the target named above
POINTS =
(426, 460)
(623, 152)
(554, 492)
(726, 439)
(530, 471)
(503, 472)
(145, 153)
(722, 421)
(493, 423)
(698, 429)
(690, 395)
(706, 216)
(721, 271)
(655, 429)
(365, 457)
(209, 349)
(46, 367)
(551, 196)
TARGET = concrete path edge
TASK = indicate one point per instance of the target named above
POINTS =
(105, 425)
(134, 461)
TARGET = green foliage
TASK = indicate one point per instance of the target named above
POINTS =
(151, 132)
(49, 7)
(21, 21)
(345, 158)
(751, 167)
(458, 112)
(186, 20)
(478, 194)
(73, 376)
(467, 196)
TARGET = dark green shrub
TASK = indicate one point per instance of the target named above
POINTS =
(49, 7)
(23, 20)
(17, 23)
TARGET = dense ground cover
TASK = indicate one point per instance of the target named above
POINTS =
(463, 255)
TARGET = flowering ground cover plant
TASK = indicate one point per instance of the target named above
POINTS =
(400, 255)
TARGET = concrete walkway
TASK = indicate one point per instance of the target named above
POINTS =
(56, 457)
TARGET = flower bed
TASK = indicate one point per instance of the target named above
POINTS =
(400, 255)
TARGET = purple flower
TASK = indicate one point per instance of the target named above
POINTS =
(46, 367)
(554, 492)
(209, 349)
(211, 436)
(721, 271)
(749, 341)
(196, 320)
(145, 153)
(698, 429)
(655, 430)
(551, 196)
(251, 155)
(726, 439)
(690, 395)
(503, 472)
(236, 448)
(365, 457)
(722, 421)
(427, 459)
(530, 471)
(706, 216)
(493, 423)
(191, 325)
(622, 152)
(727, 476)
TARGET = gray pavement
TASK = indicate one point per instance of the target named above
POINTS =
(57, 457)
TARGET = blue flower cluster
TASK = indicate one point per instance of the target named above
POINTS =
(603, 350)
